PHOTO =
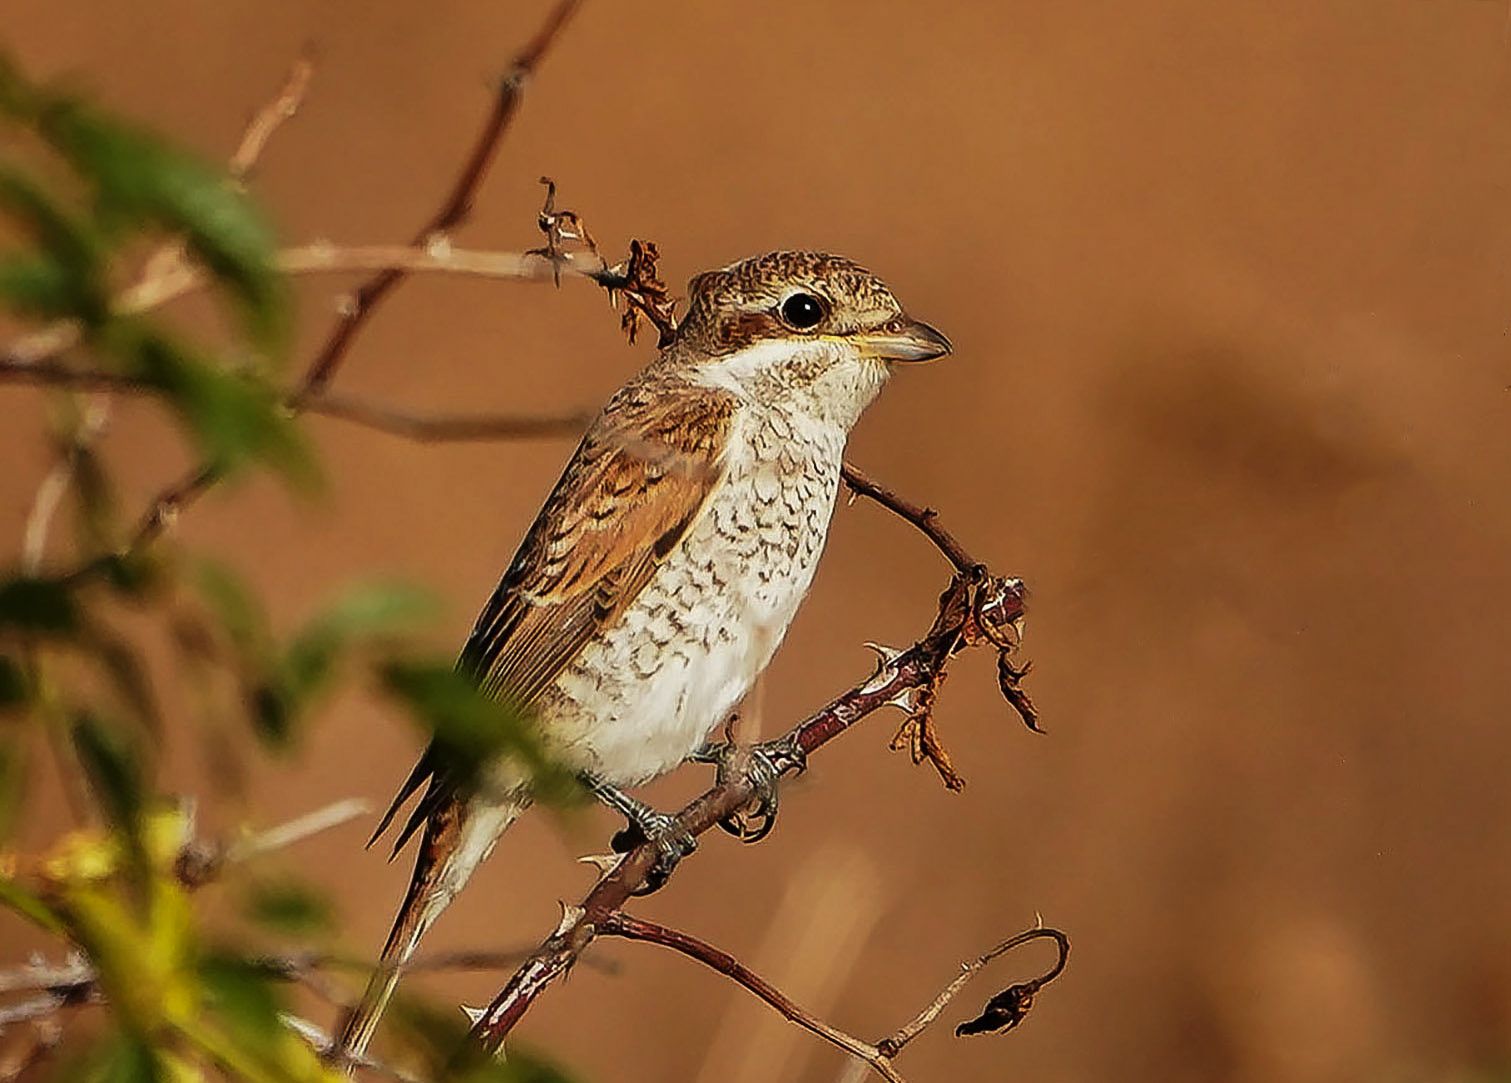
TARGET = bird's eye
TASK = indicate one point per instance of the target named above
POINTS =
(803, 311)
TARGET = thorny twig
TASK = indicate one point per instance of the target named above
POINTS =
(877, 1056)
(637, 281)
(977, 608)
(431, 237)
(454, 209)
(628, 927)
(966, 605)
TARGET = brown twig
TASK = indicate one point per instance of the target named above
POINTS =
(453, 210)
(324, 257)
(267, 120)
(167, 261)
(423, 428)
(924, 518)
(1020, 994)
(897, 674)
(1012, 1004)
(1006, 1010)
(450, 428)
(624, 925)
(456, 206)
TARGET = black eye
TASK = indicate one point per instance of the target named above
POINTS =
(803, 311)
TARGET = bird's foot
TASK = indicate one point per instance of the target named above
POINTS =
(644, 824)
(762, 765)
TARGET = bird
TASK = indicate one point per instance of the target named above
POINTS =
(666, 565)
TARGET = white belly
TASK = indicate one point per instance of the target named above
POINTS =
(654, 686)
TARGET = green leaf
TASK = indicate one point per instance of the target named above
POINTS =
(95, 500)
(366, 613)
(289, 906)
(233, 417)
(40, 606)
(273, 709)
(128, 673)
(241, 994)
(287, 687)
(14, 687)
(440, 1036)
(67, 277)
(138, 177)
(471, 730)
(28, 905)
(114, 770)
(235, 606)
(12, 778)
(126, 1059)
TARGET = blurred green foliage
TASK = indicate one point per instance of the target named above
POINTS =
(184, 997)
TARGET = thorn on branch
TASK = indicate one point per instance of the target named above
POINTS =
(1009, 1008)
(564, 231)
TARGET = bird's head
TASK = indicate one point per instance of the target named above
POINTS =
(813, 327)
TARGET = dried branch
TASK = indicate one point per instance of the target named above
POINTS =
(925, 519)
(324, 1045)
(631, 928)
(167, 262)
(964, 607)
(55, 484)
(456, 206)
(452, 212)
(446, 428)
(201, 861)
(1020, 995)
(1013, 1003)
(267, 120)
(422, 428)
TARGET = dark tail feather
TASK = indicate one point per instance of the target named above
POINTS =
(457, 838)
(418, 777)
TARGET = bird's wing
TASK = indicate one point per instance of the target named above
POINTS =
(637, 483)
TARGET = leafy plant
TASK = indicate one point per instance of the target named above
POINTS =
(83, 194)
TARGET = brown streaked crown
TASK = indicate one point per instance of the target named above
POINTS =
(741, 303)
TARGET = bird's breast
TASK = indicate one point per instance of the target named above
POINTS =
(649, 689)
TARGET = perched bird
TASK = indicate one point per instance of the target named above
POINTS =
(668, 562)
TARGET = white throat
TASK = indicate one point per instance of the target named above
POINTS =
(827, 379)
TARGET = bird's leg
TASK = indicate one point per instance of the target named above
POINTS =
(762, 765)
(643, 824)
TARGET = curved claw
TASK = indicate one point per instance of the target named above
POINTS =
(672, 846)
(761, 766)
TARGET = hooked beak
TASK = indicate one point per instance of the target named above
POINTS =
(914, 341)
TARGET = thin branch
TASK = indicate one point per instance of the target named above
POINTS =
(442, 428)
(199, 862)
(55, 484)
(325, 257)
(267, 120)
(457, 204)
(324, 1045)
(452, 212)
(623, 925)
(167, 261)
(299, 829)
(1020, 994)
(899, 672)
(422, 428)
(924, 518)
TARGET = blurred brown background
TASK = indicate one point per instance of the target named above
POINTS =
(1230, 287)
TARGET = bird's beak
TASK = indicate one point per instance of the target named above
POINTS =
(914, 341)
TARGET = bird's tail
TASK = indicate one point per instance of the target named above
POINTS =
(457, 838)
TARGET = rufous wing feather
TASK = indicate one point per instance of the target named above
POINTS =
(636, 485)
